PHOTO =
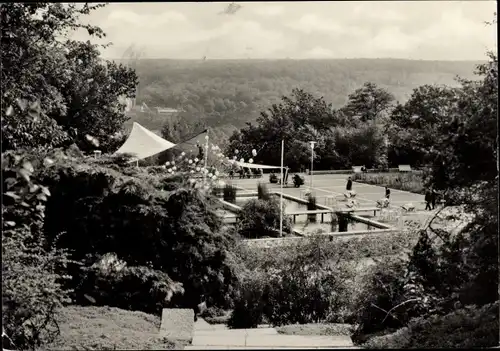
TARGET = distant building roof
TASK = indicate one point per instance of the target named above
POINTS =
(166, 110)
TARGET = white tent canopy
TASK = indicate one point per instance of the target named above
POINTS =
(143, 143)
(253, 165)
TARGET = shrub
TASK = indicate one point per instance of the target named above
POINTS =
(259, 218)
(381, 289)
(468, 327)
(229, 193)
(250, 304)
(262, 192)
(31, 279)
(212, 312)
(273, 178)
(397, 340)
(129, 212)
(109, 282)
(302, 294)
(300, 286)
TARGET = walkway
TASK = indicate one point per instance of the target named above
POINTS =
(219, 337)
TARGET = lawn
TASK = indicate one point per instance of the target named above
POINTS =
(410, 181)
(108, 328)
(316, 329)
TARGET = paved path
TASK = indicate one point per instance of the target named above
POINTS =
(219, 337)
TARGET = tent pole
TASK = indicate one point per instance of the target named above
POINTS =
(281, 188)
(206, 159)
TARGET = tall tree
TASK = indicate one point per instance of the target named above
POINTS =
(298, 119)
(414, 127)
(464, 167)
(73, 86)
(368, 103)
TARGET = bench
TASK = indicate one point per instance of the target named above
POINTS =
(404, 168)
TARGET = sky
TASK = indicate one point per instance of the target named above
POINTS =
(424, 30)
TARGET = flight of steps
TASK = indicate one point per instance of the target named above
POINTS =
(218, 337)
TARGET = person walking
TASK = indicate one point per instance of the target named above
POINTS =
(387, 192)
(433, 198)
(348, 187)
(428, 198)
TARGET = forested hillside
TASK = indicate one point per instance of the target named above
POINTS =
(231, 92)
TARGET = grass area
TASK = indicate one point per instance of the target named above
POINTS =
(410, 181)
(316, 329)
(108, 328)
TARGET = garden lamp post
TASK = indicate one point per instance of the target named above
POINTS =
(281, 187)
(206, 159)
(312, 143)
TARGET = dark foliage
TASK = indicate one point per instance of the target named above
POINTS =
(261, 218)
(112, 283)
(262, 192)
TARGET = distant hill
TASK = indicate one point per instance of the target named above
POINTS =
(229, 93)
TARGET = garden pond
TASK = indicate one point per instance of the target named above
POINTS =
(301, 221)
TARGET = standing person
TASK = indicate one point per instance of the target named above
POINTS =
(348, 187)
(433, 198)
(428, 198)
(387, 192)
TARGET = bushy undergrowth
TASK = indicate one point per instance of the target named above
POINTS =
(381, 289)
(410, 181)
(300, 285)
(440, 276)
(31, 279)
(148, 220)
(262, 192)
(464, 328)
(110, 282)
(348, 249)
(261, 218)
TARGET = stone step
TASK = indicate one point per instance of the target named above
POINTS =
(177, 324)
(220, 347)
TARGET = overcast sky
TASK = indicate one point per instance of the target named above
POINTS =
(429, 30)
